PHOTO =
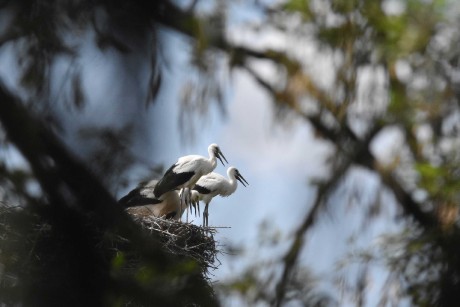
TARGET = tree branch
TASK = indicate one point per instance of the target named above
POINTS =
(292, 255)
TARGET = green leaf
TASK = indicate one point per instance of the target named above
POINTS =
(428, 171)
(118, 261)
(299, 6)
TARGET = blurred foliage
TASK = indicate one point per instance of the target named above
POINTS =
(377, 66)
(255, 285)
(252, 289)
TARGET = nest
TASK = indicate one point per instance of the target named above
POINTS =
(181, 239)
(184, 239)
(35, 253)
(20, 230)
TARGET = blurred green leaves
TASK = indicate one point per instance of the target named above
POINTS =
(301, 7)
(118, 261)
(441, 182)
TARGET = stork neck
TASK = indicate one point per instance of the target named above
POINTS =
(212, 158)
(232, 180)
(213, 161)
(211, 152)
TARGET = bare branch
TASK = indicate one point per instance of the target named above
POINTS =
(292, 255)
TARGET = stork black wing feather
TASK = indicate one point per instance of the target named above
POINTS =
(202, 190)
(135, 198)
(125, 199)
(171, 181)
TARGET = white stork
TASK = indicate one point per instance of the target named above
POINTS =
(142, 202)
(187, 170)
(214, 184)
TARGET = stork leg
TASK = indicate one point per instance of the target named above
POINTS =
(189, 202)
(196, 204)
(186, 209)
(189, 206)
(205, 215)
(183, 194)
(193, 204)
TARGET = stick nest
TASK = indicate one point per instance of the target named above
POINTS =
(184, 239)
(36, 253)
(20, 230)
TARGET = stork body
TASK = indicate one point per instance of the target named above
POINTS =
(187, 170)
(141, 195)
(142, 202)
(213, 184)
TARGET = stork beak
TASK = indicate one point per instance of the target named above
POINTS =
(220, 155)
(241, 179)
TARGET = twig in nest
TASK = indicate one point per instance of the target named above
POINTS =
(184, 239)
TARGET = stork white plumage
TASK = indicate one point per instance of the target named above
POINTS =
(142, 202)
(187, 170)
(214, 184)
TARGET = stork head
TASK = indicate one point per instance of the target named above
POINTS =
(215, 150)
(233, 171)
